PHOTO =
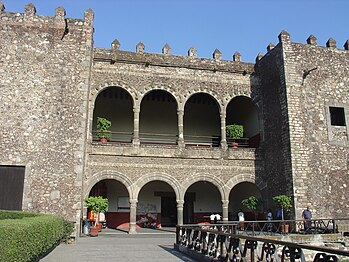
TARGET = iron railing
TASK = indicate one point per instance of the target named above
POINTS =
(171, 139)
(274, 227)
(116, 137)
(214, 243)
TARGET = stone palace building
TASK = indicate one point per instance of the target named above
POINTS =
(168, 159)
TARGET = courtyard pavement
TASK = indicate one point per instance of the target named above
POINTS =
(114, 245)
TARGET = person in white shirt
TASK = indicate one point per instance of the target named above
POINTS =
(212, 218)
(241, 220)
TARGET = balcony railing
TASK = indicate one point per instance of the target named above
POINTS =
(277, 227)
(150, 138)
(172, 139)
(116, 137)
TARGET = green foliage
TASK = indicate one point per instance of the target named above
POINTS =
(235, 131)
(29, 236)
(251, 203)
(10, 214)
(284, 202)
(97, 204)
(103, 126)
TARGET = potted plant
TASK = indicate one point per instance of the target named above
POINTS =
(285, 203)
(103, 126)
(234, 131)
(97, 204)
(252, 203)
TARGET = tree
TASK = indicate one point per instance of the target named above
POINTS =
(284, 202)
(97, 205)
(252, 203)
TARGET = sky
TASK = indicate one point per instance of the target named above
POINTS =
(244, 26)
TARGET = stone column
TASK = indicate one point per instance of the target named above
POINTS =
(225, 208)
(223, 132)
(180, 204)
(136, 141)
(133, 219)
(180, 141)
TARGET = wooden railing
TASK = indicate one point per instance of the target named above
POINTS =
(221, 243)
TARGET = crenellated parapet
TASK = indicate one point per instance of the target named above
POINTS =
(285, 39)
(167, 59)
(30, 18)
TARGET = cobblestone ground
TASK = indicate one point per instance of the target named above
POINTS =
(117, 246)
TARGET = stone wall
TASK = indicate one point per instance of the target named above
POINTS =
(317, 78)
(45, 68)
(275, 149)
(305, 156)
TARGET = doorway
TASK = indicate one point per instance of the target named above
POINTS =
(168, 211)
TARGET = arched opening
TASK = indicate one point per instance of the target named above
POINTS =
(118, 214)
(158, 118)
(242, 110)
(202, 124)
(199, 204)
(237, 194)
(116, 105)
(157, 205)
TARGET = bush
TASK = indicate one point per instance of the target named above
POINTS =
(235, 131)
(30, 235)
(6, 214)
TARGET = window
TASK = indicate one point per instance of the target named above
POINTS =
(337, 116)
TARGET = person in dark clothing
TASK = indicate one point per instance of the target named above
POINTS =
(307, 216)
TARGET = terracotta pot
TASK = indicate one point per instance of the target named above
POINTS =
(234, 145)
(94, 231)
(284, 228)
(99, 226)
(103, 139)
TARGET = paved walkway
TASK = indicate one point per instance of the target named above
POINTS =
(113, 245)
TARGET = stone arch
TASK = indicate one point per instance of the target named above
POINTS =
(227, 99)
(96, 91)
(108, 174)
(142, 181)
(242, 110)
(215, 96)
(244, 178)
(167, 89)
(115, 102)
(218, 183)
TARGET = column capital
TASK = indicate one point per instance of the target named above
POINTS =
(180, 201)
(133, 201)
(225, 202)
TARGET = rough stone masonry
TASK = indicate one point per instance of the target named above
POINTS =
(51, 75)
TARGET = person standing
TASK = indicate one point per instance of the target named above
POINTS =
(269, 215)
(307, 216)
(241, 217)
(269, 218)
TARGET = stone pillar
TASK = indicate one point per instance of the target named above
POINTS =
(180, 141)
(225, 208)
(180, 204)
(135, 140)
(223, 132)
(133, 219)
